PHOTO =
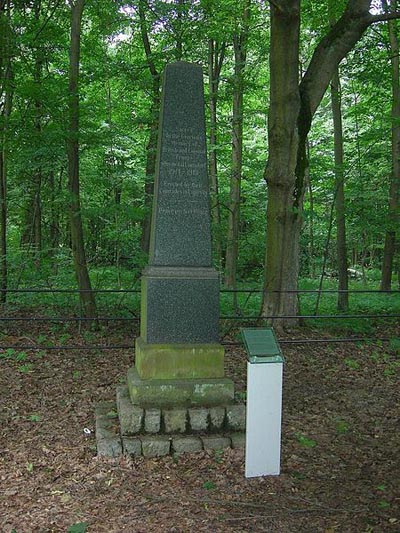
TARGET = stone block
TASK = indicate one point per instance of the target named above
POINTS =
(236, 417)
(179, 392)
(182, 360)
(155, 446)
(184, 301)
(216, 442)
(106, 428)
(107, 432)
(198, 418)
(186, 445)
(108, 409)
(109, 447)
(152, 420)
(217, 418)
(175, 420)
(132, 446)
(238, 440)
(130, 416)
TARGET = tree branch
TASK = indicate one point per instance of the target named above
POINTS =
(384, 16)
(338, 42)
(146, 41)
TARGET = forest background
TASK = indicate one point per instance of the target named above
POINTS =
(303, 126)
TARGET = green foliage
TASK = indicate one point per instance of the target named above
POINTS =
(79, 527)
(117, 111)
(352, 364)
(342, 427)
(383, 504)
(34, 418)
(305, 441)
(394, 345)
(26, 369)
(209, 485)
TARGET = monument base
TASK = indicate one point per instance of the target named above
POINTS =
(206, 392)
(179, 361)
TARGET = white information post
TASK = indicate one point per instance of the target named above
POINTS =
(264, 403)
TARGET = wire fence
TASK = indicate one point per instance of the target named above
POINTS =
(238, 317)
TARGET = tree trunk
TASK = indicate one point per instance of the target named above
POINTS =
(394, 188)
(292, 107)
(31, 235)
(6, 81)
(77, 239)
(54, 213)
(179, 29)
(37, 203)
(311, 246)
(37, 179)
(283, 220)
(239, 46)
(152, 142)
(341, 249)
(216, 56)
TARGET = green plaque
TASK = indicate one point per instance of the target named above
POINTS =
(261, 345)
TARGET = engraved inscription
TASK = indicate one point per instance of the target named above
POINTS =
(183, 175)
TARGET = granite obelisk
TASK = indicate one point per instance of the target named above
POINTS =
(178, 341)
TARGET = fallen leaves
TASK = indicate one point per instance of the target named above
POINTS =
(340, 456)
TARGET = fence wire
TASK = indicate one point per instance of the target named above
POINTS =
(237, 317)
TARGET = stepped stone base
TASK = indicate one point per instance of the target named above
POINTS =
(124, 428)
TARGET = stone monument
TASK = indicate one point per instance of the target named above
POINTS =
(178, 359)
(177, 399)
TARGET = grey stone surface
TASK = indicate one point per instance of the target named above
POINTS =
(155, 446)
(236, 417)
(132, 445)
(198, 418)
(216, 442)
(180, 289)
(175, 420)
(108, 409)
(109, 447)
(185, 302)
(186, 445)
(178, 392)
(106, 428)
(217, 417)
(238, 440)
(130, 416)
(152, 420)
(181, 215)
(108, 440)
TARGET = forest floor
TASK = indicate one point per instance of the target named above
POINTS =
(340, 446)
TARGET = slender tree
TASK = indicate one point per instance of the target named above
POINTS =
(6, 84)
(151, 148)
(216, 55)
(240, 38)
(394, 188)
(76, 226)
(32, 231)
(341, 248)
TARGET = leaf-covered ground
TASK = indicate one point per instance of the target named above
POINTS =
(340, 446)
